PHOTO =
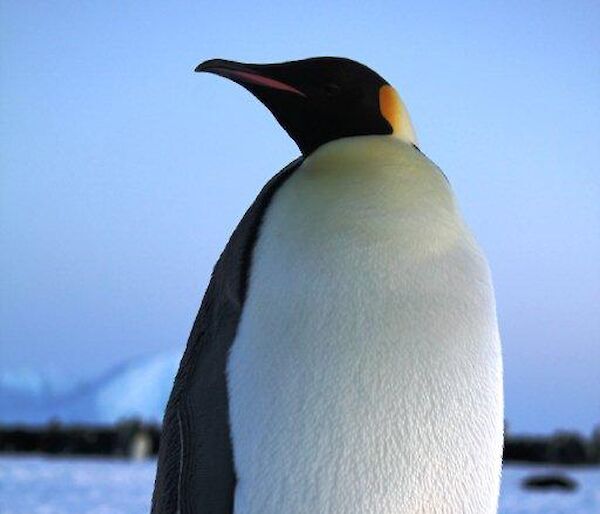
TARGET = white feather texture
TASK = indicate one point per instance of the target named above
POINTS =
(366, 374)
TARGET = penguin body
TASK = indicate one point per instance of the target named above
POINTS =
(346, 357)
(365, 376)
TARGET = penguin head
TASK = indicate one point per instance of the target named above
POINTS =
(321, 99)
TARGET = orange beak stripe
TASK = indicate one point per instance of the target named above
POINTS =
(255, 78)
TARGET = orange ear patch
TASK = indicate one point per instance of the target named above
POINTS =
(393, 110)
(390, 106)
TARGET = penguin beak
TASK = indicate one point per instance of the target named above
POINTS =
(246, 74)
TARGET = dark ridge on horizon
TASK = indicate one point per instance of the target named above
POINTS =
(135, 439)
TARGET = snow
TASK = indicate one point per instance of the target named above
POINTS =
(36, 485)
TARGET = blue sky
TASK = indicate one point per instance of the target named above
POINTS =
(122, 173)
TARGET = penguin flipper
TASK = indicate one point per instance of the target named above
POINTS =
(195, 461)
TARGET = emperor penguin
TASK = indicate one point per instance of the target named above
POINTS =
(346, 357)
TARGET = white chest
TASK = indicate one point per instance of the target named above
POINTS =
(366, 373)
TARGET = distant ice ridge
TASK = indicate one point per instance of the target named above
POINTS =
(27, 381)
(139, 388)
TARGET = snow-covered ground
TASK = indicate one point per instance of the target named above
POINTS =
(36, 485)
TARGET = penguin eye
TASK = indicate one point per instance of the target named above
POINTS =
(331, 89)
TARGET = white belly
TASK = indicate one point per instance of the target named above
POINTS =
(366, 373)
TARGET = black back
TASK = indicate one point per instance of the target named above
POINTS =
(195, 463)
